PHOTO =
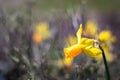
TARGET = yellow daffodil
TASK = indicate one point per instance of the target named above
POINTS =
(90, 28)
(84, 45)
(106, 35)
(43, 28)
(41, 32)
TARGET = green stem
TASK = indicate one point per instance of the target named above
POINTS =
(105, 64)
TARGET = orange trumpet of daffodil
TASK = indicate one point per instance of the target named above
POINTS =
(84, 45)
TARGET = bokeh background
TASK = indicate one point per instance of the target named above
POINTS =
(33, 34)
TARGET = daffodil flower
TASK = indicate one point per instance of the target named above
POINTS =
(84, 45)
(41, 32)
(43, 29)
(106, 35)
(90, 28)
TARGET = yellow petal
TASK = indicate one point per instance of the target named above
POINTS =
(106, 35)
(89, 48)
(92, 52)
(41, 26)
(90, 28)
(87, 42)
(73, 51)
(79, 33)
(43, 29)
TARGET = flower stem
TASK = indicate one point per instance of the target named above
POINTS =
(105, 64)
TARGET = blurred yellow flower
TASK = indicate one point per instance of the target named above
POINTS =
(41, 32)
(106, 39)
(90, 28)
(65, 62)
(106, 35)
(84, 45)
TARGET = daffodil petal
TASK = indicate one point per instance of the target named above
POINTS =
(73, 51)
(89, 48)
(87, 41)
(79, 33)
(90, 28)
(92, 52)
(83, 40)
(107, 35)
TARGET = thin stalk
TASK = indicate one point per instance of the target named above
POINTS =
(105, 64)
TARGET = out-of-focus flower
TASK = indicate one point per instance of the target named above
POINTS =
(106, 39)
(65, 62)
(41, 32)
(84, 45)
(106, 36)
(90, 28)
(37, 37)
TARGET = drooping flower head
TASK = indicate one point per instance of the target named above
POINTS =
(83, 45)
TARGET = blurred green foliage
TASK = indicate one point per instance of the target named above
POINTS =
(104, 4)
(72, 4)
(55, 55)
(56, 4)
